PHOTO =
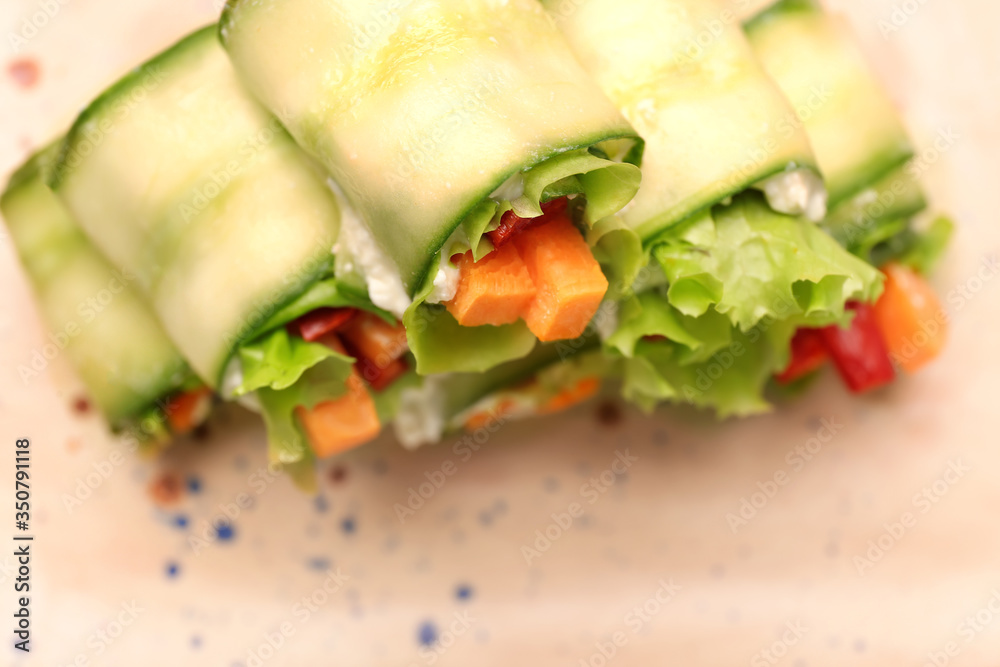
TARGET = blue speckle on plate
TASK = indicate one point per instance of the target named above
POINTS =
(195, 641)
(347, 525)
(321, 504)
(224, 531)
(463, 592)
(181, 521)
(193, 484)
(319, 563)
(173, 569)
(427, 634)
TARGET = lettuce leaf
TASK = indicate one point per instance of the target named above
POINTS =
(731, 381)
(747, 262)
(740, 280)
(285, 372)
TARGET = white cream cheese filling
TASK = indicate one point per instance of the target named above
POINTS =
(797, 192)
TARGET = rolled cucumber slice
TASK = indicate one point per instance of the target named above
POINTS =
(854, 127)
(94, 311)
(684, 75)
(896, 196)
(182, 178)
(421, 109)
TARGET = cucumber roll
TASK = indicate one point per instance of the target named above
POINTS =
(133, 373)
(483, 160)
(730, 195)
(180, 176)
(861, 144)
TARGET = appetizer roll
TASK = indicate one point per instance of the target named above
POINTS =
(482, 158)
(133, 373)
(727, 209)
(181, 177)
(714, 123)
(866, 156)
(861, 145)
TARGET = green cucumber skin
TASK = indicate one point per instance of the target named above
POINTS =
(854, 127)
(183, 178)
(680, 96)
(496, 89)
(111, 336)
(897, 195)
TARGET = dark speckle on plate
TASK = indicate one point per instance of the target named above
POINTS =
(319, 563)
(166, 488)
(81, 405)
(427, 633)
(180, 521)
(608, 413)
(347, 525)
(224, 531)
(337, 474)
(173, 569)
(321, 504)
(463, 591)
(193, 484)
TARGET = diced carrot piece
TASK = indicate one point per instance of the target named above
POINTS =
(569, 280)
(188, 409)
(345, 422)
(570, 396)
(910, 316)
(495, 290)
(483, 418)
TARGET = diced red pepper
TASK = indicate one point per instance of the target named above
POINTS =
(511, 223)
(808, 354)
(379, 348)
(379, 376)
(374, 338)
(859, 352)
(317, 323)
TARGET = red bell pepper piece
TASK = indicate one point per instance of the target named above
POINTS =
(511, 223)
(859, 352)
(808, 354)
(317, 323)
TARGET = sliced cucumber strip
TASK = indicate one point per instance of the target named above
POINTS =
(854, 127)
(93, 310)
(420, 109)
(178, 175)
(686, 78)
